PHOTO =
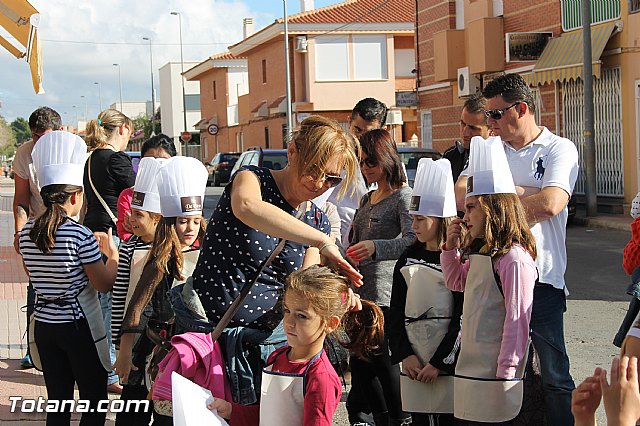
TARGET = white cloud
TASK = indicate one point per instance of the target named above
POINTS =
(70, 69)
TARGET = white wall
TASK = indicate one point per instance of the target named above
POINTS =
(133, 109)
(171, 99)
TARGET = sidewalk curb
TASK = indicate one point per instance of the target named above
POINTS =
(601, 223)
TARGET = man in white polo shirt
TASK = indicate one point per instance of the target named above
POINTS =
(544, 168)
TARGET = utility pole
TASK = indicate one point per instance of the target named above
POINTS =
(589, 130)
(287, 67)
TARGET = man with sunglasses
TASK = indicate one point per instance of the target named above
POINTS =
(27, 202)
(544, 168)
(472, 123)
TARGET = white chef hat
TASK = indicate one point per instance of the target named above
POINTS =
(433, 193)
(182, 183)
(58, 159)
(145, 192)
(489, 171)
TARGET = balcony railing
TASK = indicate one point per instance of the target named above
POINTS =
(601, 11)
(634, 6)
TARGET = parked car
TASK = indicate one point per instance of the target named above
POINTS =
(135, 159)
(220, 167)
(274, 159)
(410, 158)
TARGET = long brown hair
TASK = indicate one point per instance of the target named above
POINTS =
(326, 291)
(43, 233)
(505, 225)
(166, 245)
(381, 150)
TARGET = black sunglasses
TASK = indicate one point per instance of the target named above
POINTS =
(315, 174)
(369, 162)
(497, 114)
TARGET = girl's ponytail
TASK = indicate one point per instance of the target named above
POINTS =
(43, 233)
(364, 329)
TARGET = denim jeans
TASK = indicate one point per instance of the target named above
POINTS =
(547, 325)
(105, 307)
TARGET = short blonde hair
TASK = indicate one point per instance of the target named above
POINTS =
(318, 140)
(100, 131)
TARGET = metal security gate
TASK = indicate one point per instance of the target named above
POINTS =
(608, 126)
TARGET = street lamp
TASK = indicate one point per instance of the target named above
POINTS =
(75, 108)
(86, 110)
(184, 106)
(119, 84)
(99, 96)
(153, 96)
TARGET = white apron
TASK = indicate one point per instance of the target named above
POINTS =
(90, 305)
(479, 395)
(282, 395)
(138, 260)
(190, 257)
(428, 310)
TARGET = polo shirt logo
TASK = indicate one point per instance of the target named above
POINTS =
(539, 169)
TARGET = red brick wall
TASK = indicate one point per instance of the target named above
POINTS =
(519, 16)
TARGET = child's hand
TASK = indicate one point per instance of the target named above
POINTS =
(585, 399)
(454, 230)
(106, 243)
(428, 374)
(123, 366)
(630, 346)
(411, 366)
(222, 407)
(621, 397)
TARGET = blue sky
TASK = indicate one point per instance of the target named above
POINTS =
(81, 40)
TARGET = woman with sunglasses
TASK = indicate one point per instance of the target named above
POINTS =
(257, 209)
(380, 233)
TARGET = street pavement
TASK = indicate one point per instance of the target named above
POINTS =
(595, 306)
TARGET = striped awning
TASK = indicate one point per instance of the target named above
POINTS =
(20, 19)
(562, 58)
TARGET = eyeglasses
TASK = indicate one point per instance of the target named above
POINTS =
(316, 175)
(497, 114)
(369, 162)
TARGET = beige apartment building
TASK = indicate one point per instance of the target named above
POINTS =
(338, 55)
(461, 44)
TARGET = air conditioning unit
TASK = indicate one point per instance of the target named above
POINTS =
(468, 84)
(301, 44)
(394, 117)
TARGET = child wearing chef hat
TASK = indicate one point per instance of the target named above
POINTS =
(67, 338)
(424, 314)
(497, 275)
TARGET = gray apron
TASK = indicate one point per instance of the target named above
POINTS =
(478, 395)
(428, 310)
(88, 301)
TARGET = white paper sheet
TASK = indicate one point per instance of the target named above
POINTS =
(190, 404)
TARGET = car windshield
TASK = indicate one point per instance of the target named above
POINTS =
(410, 159)
(274, 160)
(229, 158)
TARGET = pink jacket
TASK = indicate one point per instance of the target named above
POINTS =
(196, 357)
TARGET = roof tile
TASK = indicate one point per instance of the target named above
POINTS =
(360, 11)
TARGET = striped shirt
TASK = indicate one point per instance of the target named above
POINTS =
(121, 286)
(60, 275)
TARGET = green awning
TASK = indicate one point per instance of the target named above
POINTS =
(562, 58)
